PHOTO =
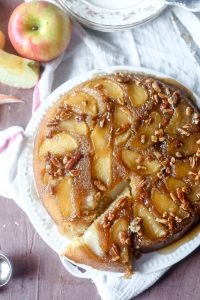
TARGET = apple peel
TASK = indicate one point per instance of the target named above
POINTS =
(9, 99)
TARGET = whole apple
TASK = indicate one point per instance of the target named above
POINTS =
(39, 30)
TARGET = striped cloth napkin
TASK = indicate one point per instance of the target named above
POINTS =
(155, 45)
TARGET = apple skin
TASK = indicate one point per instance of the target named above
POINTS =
(39, 30)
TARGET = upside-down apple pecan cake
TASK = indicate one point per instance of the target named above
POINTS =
(116, 164)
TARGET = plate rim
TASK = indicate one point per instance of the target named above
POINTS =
(109, 28)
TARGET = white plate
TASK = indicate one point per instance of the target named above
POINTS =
(104, 15)
(39, 217)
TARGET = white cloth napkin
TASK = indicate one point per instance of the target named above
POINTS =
(155, 45)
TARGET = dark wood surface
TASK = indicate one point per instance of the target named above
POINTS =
(38, 273)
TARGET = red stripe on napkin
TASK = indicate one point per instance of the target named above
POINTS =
(9, 140)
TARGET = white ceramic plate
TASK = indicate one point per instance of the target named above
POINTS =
(39, 217)
(104, 15)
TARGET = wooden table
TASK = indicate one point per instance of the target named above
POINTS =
(38, 273)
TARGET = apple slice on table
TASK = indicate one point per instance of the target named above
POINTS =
(18, 72)
(2, 40)
(9, 99)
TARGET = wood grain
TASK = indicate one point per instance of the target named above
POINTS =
(38, 273)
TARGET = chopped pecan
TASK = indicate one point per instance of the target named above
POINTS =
(52, 123)
(143, 138)
(122, 237)
(56, 162)
(184, 132)
(73, 161)
(74, 173)
(162, 221)
(156, 87)
(120, 101)
(122, 129)
(101, 187)
(79, 118)
(114, 251)
(188, 111)
(97, 196)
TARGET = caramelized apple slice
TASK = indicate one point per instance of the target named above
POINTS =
(109, 87)
(150, 227)
(178, 119)
(60, 144)
(100, 137)
(137, 163)
(99, 240)
(137, 94)
(64, 196)
(119, 228)
(194, 196)
(130, 159)
(134, 183)
(122, 116)
(164, 203)
(188, 145)
(91, 239)
(174, 183)
(122, 138)
(83, 103)
(72, 125)
(148, 131)
(181, 169)
(101, 167)
(102, 162)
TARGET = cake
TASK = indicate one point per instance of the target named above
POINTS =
(116, 165)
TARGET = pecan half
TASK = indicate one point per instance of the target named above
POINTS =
(73, 161)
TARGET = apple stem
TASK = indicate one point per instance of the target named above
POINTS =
(34, 28)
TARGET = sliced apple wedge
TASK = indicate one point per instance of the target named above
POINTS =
(83, 103)
(64, 195)
(100, 137)
(178, 119)
(140, 165)
(148, 131)
(18, 72)
(174, 183)
(164, 203)
(109, 87)
(101, 167)
(194, 196)
(188, 145)
(130, 159)
(134, 183)
(71, 125)
(122, 138)
(150, 227)
(102, 161)
(120, 226)
(181, 169)
(137, 94)
(122, 116)
(61, 143)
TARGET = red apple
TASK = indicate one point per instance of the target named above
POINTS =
(39, 30)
